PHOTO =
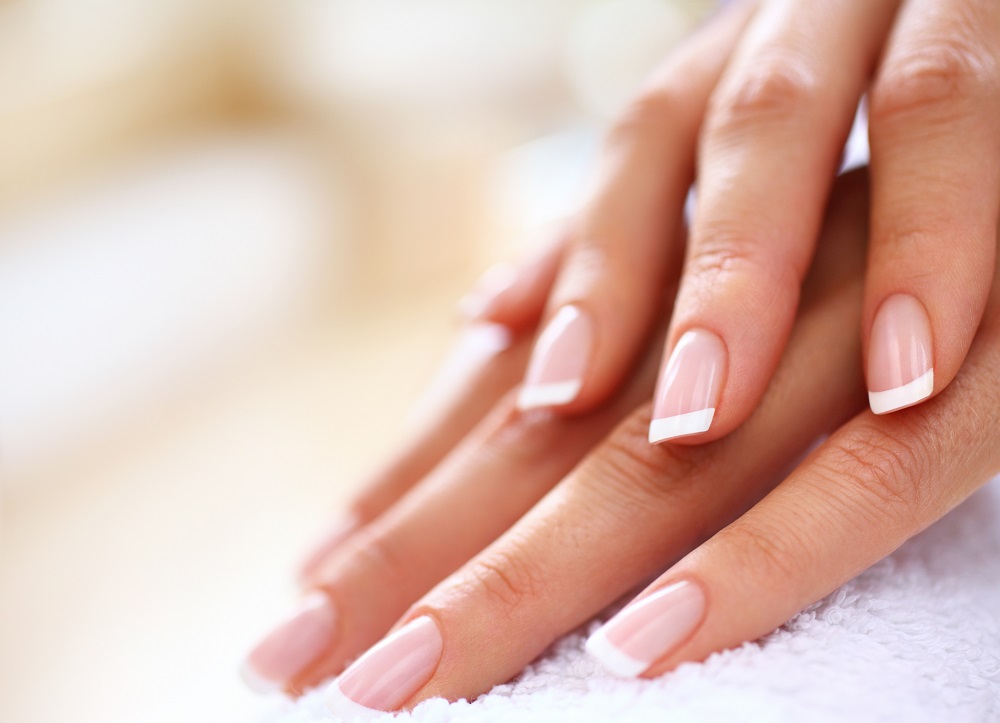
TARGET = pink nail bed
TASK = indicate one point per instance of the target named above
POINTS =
(900, 355)
(292, 646)
(559, 361)
(648, 629)
(388, 674)
(689, 387)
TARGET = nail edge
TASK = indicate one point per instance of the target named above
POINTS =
(903, 396)
(257, 682)
(338, 703)
(547, 395)
(612, 658)
(681, 425)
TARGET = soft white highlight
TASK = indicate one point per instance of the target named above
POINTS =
(681, 425)
(257, 682)
(547, 395)
(612, 658)
(904, 396)
(346, 709)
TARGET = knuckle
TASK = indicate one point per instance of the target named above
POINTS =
(645, 115)
(775, 89)
(629, 473)
(883, 472)
(385, 556)
(929, 80)
(771, 554)
(506, 579)
(721, 255)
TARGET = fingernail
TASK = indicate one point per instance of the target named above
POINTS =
(388, 674)
(649, 629)
(494, 281)
(559, 361)
(325, 544)
(689, 387)
(292, 646)
(900, 366)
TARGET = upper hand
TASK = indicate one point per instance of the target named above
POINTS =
(755, 108)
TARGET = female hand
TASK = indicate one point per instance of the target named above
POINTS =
(615, 520)
(750, 553)
(757, 107)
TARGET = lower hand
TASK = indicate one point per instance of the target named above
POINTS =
(593, 511)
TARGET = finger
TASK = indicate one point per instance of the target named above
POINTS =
(873, 485)
(769, 152)
(610, 525)
(508, 462)
(611, 282)
(485, 363)
(515, 295)
(935, 141)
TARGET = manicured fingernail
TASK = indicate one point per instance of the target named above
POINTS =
(559, 361)
(325, 544)
(649, 629)
(389, 674)
(900, 357)
(292, 646)
(494, 281)
(689, 386)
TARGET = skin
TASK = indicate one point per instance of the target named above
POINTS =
(757, 107)
(533, 522)
(526, 526)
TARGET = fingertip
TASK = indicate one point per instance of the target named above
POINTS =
(559, 361)
(680, 425)
(900, 366)
(901, 397)
(689, 387)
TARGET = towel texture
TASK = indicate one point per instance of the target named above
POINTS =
(914, 638)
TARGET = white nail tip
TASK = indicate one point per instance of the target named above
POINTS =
(619, 663)
(546, 395)
(904, 396)
(681, 425)
(346, 709)
(257, 682)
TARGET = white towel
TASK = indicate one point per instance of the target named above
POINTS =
(914, 638)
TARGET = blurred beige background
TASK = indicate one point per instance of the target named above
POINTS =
(232, 234)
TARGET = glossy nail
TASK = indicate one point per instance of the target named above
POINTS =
(900, 356)
(649, 629)
(292, 646)
(555, 373)
(689, 386)
(388, 674)
(325, 544)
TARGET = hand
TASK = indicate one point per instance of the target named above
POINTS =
(629, 509)
(757, 107)
(423, 518)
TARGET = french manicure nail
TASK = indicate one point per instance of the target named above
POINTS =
(900, 366)
(689, 387)
(555, 373)
(331, 539)
(292, 646)
(388, 674)
(647, 630)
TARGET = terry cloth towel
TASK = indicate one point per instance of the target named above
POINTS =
(914, 638)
